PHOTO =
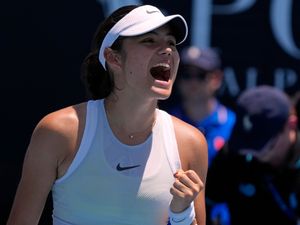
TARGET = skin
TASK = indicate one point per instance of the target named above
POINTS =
(57, 136)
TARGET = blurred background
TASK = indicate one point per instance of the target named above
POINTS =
(43, 43)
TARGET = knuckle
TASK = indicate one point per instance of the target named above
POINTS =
(189, 193)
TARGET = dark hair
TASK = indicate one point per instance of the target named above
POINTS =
(98, 82)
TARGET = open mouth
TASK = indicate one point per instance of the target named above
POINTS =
(161, 71)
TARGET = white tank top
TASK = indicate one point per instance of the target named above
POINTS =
(111, 183)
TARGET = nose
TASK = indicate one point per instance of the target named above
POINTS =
(165, 50)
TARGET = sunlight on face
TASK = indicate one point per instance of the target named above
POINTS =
(141, 55)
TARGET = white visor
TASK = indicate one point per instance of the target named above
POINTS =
(139, 21)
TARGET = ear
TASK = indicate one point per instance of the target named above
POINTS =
(112, 58)
(216, 78)
(293, 122)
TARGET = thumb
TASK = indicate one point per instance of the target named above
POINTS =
(178, 172)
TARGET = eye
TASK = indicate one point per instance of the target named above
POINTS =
(148, 40)
(172, 43)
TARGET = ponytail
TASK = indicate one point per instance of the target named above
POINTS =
(97, 80)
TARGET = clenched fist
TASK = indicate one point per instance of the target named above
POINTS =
(185, 189)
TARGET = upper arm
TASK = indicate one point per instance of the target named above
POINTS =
(194, 156)
(48, 147)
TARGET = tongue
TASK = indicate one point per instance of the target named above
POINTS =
(160, 73)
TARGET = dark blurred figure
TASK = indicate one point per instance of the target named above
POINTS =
(199, 78)
(296, 100)
(258, 172)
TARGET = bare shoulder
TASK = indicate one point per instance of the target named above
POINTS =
(58, 135)
(188, 133)
(192, 147)
(62, 121)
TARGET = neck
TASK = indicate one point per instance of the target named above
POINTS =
(131, 123)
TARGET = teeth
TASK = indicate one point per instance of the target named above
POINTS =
(163, 65)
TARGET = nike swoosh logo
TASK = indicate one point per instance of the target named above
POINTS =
(121, 168)
(150, 12)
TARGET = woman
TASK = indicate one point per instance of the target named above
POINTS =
(117, 159)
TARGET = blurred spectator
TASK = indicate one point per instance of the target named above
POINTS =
(296, 100)
(199, 78)
(258, 172)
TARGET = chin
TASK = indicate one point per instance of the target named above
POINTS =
(161, 94)
(163, 98)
